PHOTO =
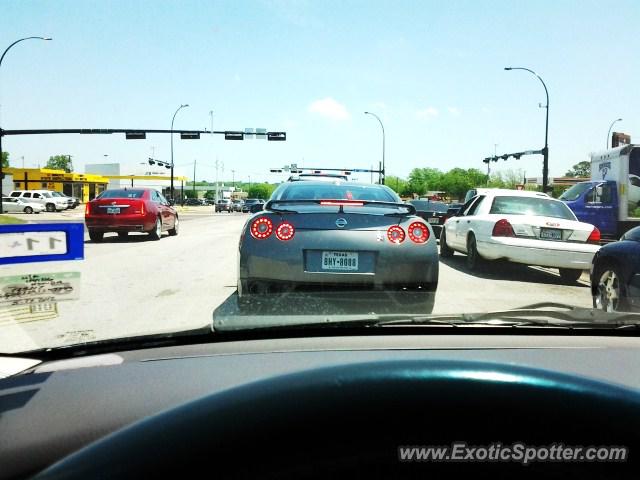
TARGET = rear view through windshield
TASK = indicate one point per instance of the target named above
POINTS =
(121, 193)
(302, 191)
(541, 207)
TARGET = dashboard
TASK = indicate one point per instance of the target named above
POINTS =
(60, 406)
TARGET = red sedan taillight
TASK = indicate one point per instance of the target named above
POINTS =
(594, 237)
(395, 234)
(87, 210)
(261, 228)
(503, 228)
(418, 232)
(285, 231)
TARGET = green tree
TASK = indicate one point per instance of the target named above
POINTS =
(60, 162)
(458, 181)
(190, 194)
(5, 159)
(397, 184)
(423, 179)
(581, 169)
(261, 190)
(210, 194)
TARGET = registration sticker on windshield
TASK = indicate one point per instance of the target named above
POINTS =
(16, 290)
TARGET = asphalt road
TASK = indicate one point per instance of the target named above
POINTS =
(137, 286)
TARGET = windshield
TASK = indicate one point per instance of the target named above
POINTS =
(117, 193)
(430, 206)
(541, 207)
(171, 135)
(576, 191)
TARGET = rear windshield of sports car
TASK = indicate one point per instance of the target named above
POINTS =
(301, 191)
(541, 207)
(120, 193)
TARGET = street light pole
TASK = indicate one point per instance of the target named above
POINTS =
(172, 120)
(2, 58)
(545, 150)
(609, 132)
(382, 174)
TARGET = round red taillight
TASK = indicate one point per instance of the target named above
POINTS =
(418, 232)
(261, 228)
(395, 234)
(285, 231)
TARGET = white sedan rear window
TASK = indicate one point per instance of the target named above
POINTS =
(541, 207)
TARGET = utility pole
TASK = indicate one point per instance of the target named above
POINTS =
(194, 179)
(217, 166)
(233, 178)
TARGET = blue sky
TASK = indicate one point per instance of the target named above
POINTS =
(433, 71)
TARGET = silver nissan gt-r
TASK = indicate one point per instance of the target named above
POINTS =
(318, 236)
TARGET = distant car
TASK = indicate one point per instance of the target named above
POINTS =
(318, 177)
(223, 205)
(252, 205)
(52, 203)
(346, 235)
(236, 205)
(125, 210)
(18, 205)
(614, 273)
(435, 213)
(522, 227)
(193, 202)
(72, 202)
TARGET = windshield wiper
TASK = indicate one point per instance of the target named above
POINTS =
(555, 315)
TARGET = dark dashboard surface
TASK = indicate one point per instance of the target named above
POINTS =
(61, 406)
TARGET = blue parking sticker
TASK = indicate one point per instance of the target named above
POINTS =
(41, 242)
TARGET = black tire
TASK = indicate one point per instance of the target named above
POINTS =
(176, 226)
(50, 207)
(474, 260)
(96, 237)
(28, 210)
(445, 250)
(610, 289)
(570, 275)
(156, 233)
(123, 235)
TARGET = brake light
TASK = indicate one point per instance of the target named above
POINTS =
(342, 203)
(261, 228)
(418, 232)
(87, 210)
(285, 231)
(395, 234)
(503, 228)
(594, 237)
(141, 208)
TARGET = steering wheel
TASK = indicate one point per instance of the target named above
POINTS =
(350, 420)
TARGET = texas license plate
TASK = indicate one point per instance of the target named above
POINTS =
(550, 234)
(346, 261)
(433, 220)
(113, 210)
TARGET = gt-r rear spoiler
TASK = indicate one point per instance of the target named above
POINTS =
(411, 210)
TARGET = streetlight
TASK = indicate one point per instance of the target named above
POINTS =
(172, 120)
(2, 58)
(609, 132)
(382, 126)
(545, 150)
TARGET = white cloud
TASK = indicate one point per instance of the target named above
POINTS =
(453, 111)
(428, 112)
(329, 108)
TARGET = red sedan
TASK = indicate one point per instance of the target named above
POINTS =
(125, 210)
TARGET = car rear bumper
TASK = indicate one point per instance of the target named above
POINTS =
(405, 265)
(132, 223)
(539, 252)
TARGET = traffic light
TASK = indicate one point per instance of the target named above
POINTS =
(276, 170)
(233, 135)
(135, 135)
(276, 136)
(517, 155)
(189, 136)
(151, 162)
